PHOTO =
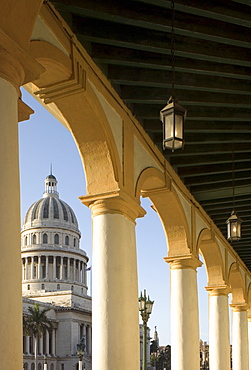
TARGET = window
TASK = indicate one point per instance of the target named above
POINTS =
(34, 239)
(72, 288)
(26, 240)
(58, 286)
(42, 287)
(62, 366)
(45, 238)
(39, 367)
(74, 242)
(56, 239)
(33, 366)
(28, 287)
(67, 240)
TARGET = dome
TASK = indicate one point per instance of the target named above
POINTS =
(51, 211)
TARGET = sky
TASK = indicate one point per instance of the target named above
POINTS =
(44, 141)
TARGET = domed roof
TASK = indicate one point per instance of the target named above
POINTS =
(51, 211)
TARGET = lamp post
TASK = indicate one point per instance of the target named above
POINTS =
(145, 308)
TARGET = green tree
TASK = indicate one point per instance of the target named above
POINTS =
(35, 324)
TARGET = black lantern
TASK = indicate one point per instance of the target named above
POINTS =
(233, 222)
(173, 117)
(233, 227)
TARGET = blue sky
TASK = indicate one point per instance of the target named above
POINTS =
(42, 141)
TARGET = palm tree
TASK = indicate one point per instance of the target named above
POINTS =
(35, 324)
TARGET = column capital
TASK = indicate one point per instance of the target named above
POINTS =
(16, 65)
(183, 262)
(114, 202)
(240, 307)
(218, 290)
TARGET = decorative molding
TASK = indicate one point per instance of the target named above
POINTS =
(76, 83)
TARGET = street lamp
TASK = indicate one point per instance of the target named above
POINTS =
(145, 308)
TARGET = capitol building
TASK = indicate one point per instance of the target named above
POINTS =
(54, 274)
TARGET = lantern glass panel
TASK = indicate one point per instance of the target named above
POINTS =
(142, 303)
(178, 126)
(169, 129)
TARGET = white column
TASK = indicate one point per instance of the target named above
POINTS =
(184, 313)
(115, 312)
(32, 268)
(61, 268)
(53, 347)
(54, 267)
(74, 270)
(68, 268)
(47, 267)
(41, 344)
(219, 341)
(39, 268)
(25, 268)
(240, 337)
(47, 343)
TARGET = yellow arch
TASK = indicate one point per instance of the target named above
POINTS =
(211, 253)
(153, 184)
(236, 284)
(85, 118)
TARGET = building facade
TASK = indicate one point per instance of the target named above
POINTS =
(54, 275)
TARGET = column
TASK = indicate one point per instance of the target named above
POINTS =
(61, 268)
(54, 267)
(53, 342)
(47, 342)
(25, 268)
(46, 267)
(32, 267)
(68, 268)
(240, 337)
(39, 268)
(115, 312)
(41, 345)
(219, 340)
(74, 269)
(184, 313)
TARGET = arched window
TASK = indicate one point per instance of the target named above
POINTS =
(74, 242)
(34, 239)
(56, 239)
(25, 366)
(32, 366)
(72, 288)
(39, 367)
(52, 367)
(26, 240)
(45, 238)
(67, 240)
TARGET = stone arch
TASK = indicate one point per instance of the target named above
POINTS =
(209, 248)
(236, 284)
(81, 112)
(152, 183)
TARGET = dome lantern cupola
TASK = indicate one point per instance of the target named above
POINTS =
(50, 185)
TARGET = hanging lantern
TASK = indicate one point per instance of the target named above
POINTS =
(233, 227)
(173, 117)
